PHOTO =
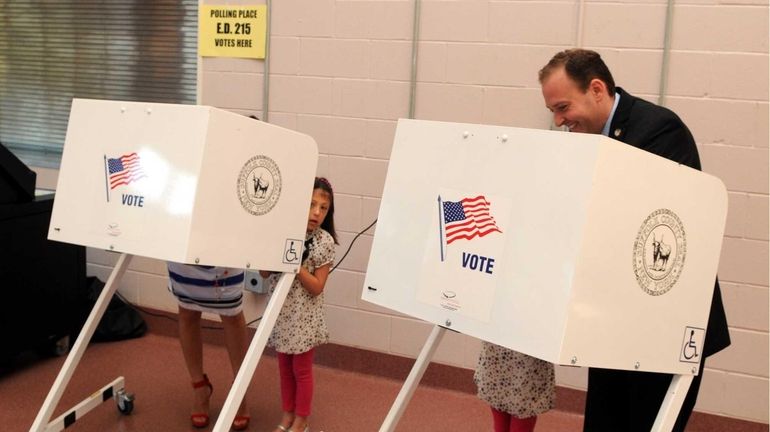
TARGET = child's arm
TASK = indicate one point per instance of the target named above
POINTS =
(314, 282)
(265, 273)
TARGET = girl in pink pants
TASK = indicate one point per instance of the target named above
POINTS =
(301, 325)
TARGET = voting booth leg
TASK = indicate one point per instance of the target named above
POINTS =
(254, 353)
(410, 385)
(55, 394)
(672, 403)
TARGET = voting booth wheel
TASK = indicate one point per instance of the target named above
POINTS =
(125, 402)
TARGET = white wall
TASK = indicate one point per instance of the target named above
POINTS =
(340, 72)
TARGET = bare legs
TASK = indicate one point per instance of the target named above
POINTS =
(235, 340)
(192, 349)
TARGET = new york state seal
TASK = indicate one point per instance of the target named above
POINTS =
(259, 185)
(659, 252)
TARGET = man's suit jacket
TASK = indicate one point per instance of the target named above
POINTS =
(629, 401)
(660, 131)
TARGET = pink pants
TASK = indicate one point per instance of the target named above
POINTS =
(505, 422)
(296, 382)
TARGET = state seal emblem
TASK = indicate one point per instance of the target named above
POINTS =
(659, 252)
(259, 185)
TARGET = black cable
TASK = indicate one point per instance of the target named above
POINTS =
(171, 318)
(351, 245)
(338, 262)
(143, 310)
(140, 309)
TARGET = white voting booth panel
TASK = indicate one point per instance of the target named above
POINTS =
(597, 253)
(190, 184)
(184, 183)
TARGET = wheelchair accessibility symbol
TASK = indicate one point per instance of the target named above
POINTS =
(692, 345)
(292, 251)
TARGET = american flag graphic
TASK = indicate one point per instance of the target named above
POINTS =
(467, 219)
(124, 170)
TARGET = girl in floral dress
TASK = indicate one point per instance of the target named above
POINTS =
(517, 387)
(301, 326)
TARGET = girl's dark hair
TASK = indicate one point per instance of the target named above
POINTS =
(328, 223)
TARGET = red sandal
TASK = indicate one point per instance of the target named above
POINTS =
(201, 419)
(241, 422)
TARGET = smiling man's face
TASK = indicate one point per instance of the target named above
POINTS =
(580, 111)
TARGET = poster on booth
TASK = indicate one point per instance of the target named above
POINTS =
(463, 260)
(232, 31)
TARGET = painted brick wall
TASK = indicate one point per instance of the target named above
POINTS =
(340, 72)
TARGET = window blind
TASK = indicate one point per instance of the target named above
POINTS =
(53, 51)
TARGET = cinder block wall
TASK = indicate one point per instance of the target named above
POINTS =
(340, 72)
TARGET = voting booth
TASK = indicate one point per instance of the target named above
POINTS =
(573, 248)
(184, 183)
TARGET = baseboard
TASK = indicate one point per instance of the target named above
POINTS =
(436, 375)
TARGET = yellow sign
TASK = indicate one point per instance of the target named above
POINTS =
(232, 31)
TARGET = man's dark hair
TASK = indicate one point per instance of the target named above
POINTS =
(581, 66)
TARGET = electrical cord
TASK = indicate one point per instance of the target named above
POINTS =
(351, 245)
(253, 321)
(170, 318)
(143, 310)
(341, 259)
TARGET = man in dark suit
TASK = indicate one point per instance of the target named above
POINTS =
(579, 89)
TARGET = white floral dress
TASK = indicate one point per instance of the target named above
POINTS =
(301, 324)
(513, 382)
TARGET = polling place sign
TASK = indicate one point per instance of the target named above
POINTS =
(232, 31)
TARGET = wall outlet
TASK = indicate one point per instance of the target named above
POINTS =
(255, 283)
